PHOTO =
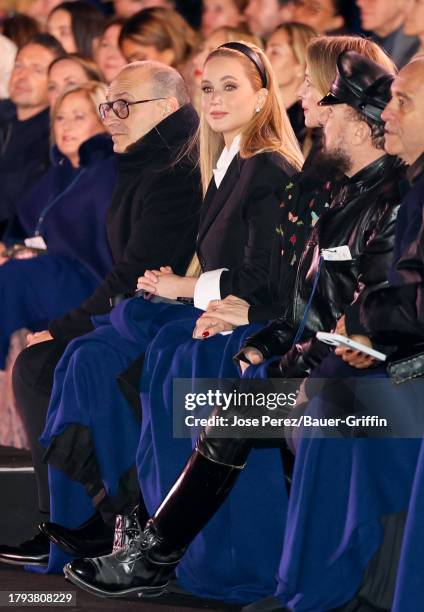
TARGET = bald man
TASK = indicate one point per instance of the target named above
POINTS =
(152, 221)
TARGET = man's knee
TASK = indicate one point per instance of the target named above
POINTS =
(35, 365)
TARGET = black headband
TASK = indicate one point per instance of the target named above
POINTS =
(252, 55)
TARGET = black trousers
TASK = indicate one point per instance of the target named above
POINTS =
(33, 375)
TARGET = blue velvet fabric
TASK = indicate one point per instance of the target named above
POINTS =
(235, 557)
(86, 393)
(409, 596)
(34, 291)
(75, 226)
(341, 488)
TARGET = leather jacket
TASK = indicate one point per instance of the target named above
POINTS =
(363, 217)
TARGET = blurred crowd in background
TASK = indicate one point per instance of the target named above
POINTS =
(46, 46)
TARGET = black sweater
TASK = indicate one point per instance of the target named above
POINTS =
(152, 220)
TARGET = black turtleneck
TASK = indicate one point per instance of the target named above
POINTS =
(153, 217)
(24, 157)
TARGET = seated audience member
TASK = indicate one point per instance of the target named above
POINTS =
(153, 218)
(243, 195)
(384, 19)
(160, 35)
(128, 8)
(77, 26)
(24, 133)
(366, 484)
(324, 16)
(64, 216)
(194, 70)
(68, 71)
(414, 24)
(8, 51)
(286, 49)
(362, 216)
(108, 54)
(219, 13)
(264, 16)
(20, 28)
(166, 452)
(303, 205)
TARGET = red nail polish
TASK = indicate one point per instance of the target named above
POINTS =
(205, 334)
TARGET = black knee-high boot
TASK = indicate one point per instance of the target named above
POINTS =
(145, 565)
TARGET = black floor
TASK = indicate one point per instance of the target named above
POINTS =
(18, 521)
(16, 579)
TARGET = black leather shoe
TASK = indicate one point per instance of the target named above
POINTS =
(93, 538)
(138, 569)
(31, 552)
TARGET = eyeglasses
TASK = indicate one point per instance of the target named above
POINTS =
(121, 108)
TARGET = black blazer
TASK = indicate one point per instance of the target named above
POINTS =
(152, 220)
(238, 221)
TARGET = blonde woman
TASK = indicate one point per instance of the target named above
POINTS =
(321, 58)
(65, 253)
(286, 49)
(248, 154)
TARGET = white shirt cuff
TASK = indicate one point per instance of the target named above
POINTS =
(207, 288)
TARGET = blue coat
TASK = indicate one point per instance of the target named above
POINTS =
(75, 226)
(68, 206)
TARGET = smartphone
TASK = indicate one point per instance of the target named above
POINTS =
(338, 340)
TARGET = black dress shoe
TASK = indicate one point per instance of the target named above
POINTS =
(31, 552)
(93, 538)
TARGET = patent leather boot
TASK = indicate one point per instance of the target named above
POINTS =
(146, 564)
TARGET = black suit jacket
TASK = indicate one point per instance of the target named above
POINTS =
(153, 218)
(238, 221)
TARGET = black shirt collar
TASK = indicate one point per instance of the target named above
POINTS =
(415, 170)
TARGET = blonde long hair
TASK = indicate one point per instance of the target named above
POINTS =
(269, 130)
(323, 51)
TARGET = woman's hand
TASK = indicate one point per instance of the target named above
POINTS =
(42, 336)
(162, 282)
(149, 280)
(232, 310)
(207, 326)
(165, 283)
